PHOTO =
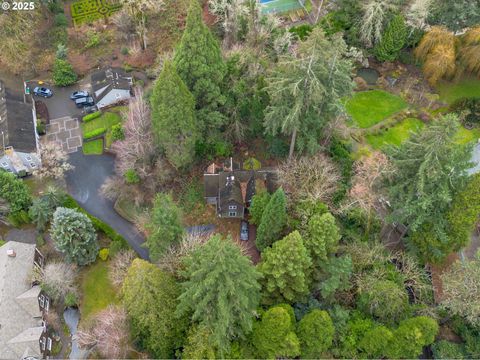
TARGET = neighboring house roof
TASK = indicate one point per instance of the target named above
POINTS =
(20, 316)
(17, 123)
(19, 163)
(110, 86)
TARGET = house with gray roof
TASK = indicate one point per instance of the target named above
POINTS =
(23, 328)
(111, 86)
(231, 188)
(18, 136)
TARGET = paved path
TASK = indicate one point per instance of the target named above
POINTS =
(66, 131)
(83, 184)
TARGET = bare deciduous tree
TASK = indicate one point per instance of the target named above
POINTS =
(119, 265)
(109, 334)
(54, 161)
(368, 171)
(417, 13)
(57, 279)
(230, 13)
(309, 178)
(172, 259)
(375, 12)
(137, 149)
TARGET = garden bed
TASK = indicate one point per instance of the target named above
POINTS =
(368, 108)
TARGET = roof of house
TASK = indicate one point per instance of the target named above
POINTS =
(106, 80)
(19, 125)
(238, 186)
(20, 316)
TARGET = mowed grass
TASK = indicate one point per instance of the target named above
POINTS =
(450, 92)
(107, 120)
(94, 147)
(368, 108)
(396, 135)
(465, 136)
(97, 291)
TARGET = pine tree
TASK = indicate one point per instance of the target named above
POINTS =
(173, 117)
(273, 221)
(315, 332)
(393, 40)
(74, 236)
(150, 298)
(286, 270)
(221, 292)
(322, 239)
(165, 226)
(259, 203)
(274, 336)
(199, 63)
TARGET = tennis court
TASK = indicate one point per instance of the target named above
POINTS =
(279, 6)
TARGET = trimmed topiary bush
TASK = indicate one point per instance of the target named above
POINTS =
(92, 116)
(94, 133)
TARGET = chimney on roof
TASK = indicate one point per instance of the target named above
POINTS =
(11, 253)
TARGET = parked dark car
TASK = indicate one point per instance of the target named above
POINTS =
(90, 109)
(43, 91)
(84, 101)
(244, 231)
(79, 94)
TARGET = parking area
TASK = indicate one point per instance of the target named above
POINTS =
(60, 105)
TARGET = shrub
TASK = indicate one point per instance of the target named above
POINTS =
(393, 40)
(94, 133)
(61, 52)
(93, 40)
(252, 164)
(468, 109)
(60, 20)
(131, 177)
(223, 149)
(103, 254)
(92, 116)
(315, 332)
(448, 350)
(14, 192)
(71, 299)
(124, 50)
(63, 73)
(18, 218)
(277, 147)
(41, 130)
(301, 31)
(117, 132)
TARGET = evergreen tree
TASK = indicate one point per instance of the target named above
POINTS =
(393, 40)
(259, 203)
(15, 192)
(221, 291)
(150, 298)
(315, 332)
(286, 270)
(199, 63)
(430, 168)
(165, 226)
(40, 213)
(74, 236)
(273, 221)
(307, 91)
(198, 344)
(322, 238)
(375, 342)
(274, 336)
(173, 117)
(63, 73)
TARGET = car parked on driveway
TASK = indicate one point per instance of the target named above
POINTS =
(79, 94)
(90, 109)
(244, 230)
(43, 91)
(84, 101)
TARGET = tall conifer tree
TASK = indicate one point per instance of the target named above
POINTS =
(273, 221)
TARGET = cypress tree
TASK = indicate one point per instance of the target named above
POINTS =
(273, 221)
(393, 40)
(173, 117)
(286, 270)
(199, 63)
(323, 237)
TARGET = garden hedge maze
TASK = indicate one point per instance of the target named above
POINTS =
(85, 11)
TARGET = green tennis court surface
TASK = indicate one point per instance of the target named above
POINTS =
(279, 6)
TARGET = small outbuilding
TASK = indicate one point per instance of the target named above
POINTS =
(111, 86)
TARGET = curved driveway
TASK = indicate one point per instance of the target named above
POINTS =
(84, 182)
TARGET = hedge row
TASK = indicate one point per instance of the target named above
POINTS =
(94, 133)
(91, 116)
(118, 241)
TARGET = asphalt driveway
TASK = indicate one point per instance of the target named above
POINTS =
(83, 184)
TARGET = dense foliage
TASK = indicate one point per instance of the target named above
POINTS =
(14, 192)
(273, 220)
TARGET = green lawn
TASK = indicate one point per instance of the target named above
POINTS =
(105, 121)
(396, 134)
(94, 147)
(96, 289)
(464, 136)
(368, 108)
(449, 92)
